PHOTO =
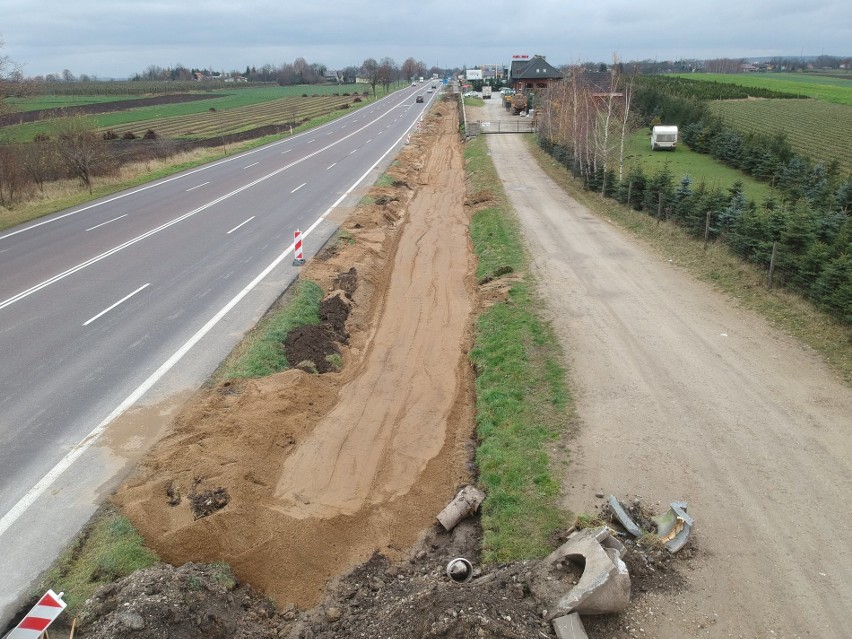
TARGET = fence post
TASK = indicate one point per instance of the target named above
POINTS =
(707, 230)
(772, 264)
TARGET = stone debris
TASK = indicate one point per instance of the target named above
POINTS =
(569, 627)
(464, 504)
(604, 587)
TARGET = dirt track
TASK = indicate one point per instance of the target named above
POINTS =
(386, 436)
(682, 395)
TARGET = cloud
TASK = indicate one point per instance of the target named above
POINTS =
(117, 38)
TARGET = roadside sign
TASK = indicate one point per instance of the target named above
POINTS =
(44, 613)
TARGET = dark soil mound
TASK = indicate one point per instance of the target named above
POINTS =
(193, 601)
(334, 310)
(313, 343)
(347, 282)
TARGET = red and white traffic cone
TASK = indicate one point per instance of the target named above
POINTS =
(299, 259)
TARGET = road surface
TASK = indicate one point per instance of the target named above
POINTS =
(125, 305)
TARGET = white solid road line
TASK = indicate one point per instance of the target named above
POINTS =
(97, 226)
(139, 238)
(298, 187)
(331, 166)
(121, 301)
(197, 186)
(75, 453)
(206, 167)
(240, 224)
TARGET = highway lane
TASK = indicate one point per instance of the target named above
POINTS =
(95, 300)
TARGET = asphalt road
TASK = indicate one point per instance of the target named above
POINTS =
(132, 300)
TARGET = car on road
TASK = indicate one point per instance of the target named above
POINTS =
(419, 98)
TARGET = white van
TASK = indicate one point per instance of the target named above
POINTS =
(663, 137)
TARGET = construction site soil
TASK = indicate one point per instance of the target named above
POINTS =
(321, 490)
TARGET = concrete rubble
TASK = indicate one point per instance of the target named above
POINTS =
(569, 627)
(674, 526)
(623, 518)
(604, 587)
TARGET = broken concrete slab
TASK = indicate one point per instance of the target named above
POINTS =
(604, 586)
(674, 526)
(569, 627)
(623, 518)
(464, 504)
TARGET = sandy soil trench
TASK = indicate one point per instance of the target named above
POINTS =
(323, 470)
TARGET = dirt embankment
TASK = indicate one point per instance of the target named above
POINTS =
(323, 470)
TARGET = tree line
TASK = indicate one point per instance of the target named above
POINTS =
(583, 125)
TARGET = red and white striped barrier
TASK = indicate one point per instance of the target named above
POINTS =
(298, 259)
(40, 617)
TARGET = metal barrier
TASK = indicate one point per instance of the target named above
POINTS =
(519, 125)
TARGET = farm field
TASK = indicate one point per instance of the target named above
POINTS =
(819, 130)
(684, 161)
(225, 112)
(829, 89)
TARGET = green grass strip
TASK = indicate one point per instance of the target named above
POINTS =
(108, 549)
(523, 404)
(263, 352)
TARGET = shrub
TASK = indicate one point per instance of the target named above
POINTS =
(357, 100)
(110, 135)
(304, 95)
(128, 135)
(41, 137)
(150, 134)
(343, 106)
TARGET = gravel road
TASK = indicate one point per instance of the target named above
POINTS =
(683, 395)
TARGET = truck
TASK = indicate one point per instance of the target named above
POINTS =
(486, 92)
(663, 137)
(518, 103)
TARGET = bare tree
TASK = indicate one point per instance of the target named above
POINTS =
(371, 71)
(79, 147)
(388, 72)
(626, 122)
(10, 79)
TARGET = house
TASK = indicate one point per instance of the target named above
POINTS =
(533, 74)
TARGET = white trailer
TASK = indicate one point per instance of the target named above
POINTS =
(663, 137)
(486, 92)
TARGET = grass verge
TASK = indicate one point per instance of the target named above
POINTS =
(108, 186)
(717, 265)
(107, 549)
(523, 405)
(261, 352)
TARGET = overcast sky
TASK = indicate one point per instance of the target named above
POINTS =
(117, 38)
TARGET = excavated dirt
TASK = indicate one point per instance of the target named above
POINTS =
(321, 471)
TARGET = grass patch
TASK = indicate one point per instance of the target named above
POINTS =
(474, 102)
(743, 281)
(685, 161)
(523, 404)
(262, 352)
(108, 549)
(821, 87)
